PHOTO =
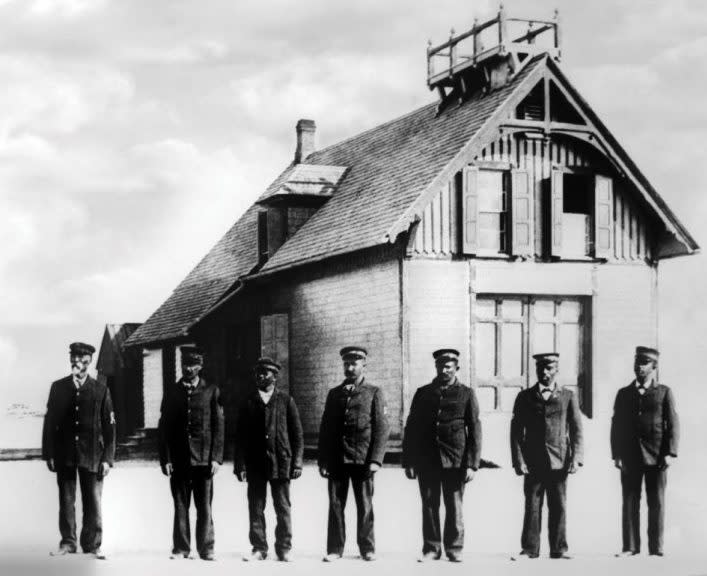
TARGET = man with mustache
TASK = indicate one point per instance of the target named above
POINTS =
(191, 438)
(352, 438)
(442, 449)
(645, 432)
(79, 439)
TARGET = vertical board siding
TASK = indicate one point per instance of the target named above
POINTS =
(152, 387)
(438, 230)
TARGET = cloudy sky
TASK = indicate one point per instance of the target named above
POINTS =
(134, 133)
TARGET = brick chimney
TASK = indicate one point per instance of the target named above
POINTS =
(306, 129)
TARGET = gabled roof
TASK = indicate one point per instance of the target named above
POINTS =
(385, 177)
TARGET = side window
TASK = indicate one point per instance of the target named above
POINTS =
(497, 212)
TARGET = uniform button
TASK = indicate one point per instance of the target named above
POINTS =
(76, 408)
(77, 422)
(267, 436)
(76, 438)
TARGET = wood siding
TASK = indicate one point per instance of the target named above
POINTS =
(437, 233)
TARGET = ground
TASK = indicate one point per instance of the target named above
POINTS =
(138, 516)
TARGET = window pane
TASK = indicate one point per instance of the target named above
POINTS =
(511, 350)
(485, 308)
(486, 396)
(508, 397)
(574, 234)
(490, 191)
(490, 231)
(544, 310)
(569, 351)
(485, 350)
(512, 309)
(543, 338)
(569, 311)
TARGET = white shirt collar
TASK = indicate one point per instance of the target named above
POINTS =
(647, 385)
(191, 385)
(78, 382)
(550, 388)
(266, 395)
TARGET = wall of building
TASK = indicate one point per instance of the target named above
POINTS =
(438, 231)
(358, 305)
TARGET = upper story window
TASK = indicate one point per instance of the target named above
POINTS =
(493, 213)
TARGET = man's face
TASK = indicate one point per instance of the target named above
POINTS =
(643, 368)
(190, 372)
(79, 364)
(546, 372)
(353, 368)
(264, 377)
(446, 371)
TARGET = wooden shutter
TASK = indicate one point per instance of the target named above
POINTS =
(470, 210)
(603, 216)
(521, 214)
(556, 210)
(274, 343)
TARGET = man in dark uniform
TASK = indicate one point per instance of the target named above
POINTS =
(546, 445)
(352, 438)
(79, 438)
(644, 437)
(269, 449)
(442, 449)
(191, 436)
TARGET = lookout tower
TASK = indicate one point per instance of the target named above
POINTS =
(489, 55)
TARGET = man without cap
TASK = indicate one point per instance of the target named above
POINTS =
(644, 438)
(269, 449)
(546, 445)
(352, 438)
(442, 449)
(79, 438)
(191, 436)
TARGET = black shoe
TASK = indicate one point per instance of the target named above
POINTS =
(660, 554)
(284, 556)
(429, 556)
(561, 556)
(454, 556)
(523, 556)
(97, 554)
(63, 551)
(208, 556)
(626, 554)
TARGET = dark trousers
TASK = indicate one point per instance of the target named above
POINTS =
(257, 491)
(631, 483)
(536, 485)
(92, 524)
(362, 481)
(450, 484)
(184, 482)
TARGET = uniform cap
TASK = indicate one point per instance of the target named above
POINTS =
(191, 355)
(81, 349)
(547, 358)
(268, 363)
(445, 355)
(646, 352)
(353, 352)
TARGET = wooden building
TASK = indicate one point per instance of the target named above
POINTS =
(121, 370)
(503, 219)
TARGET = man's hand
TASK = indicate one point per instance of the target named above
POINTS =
(469, 476)
(373, 467)
(241, 475)
(167, 469)
(103, 469)
(410, 473)
(323, 472)
(664, 462)
(572, 468)
(50, 465)
(214, 468)
(618, 463)
(296, 473)
(522, 470)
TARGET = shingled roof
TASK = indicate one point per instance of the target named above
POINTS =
(389, 174)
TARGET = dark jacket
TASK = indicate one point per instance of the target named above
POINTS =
(644, 428)
(191, 429)
(79, 426)
(546, 435)
(443, 428)
(354, 427)
(269, 438)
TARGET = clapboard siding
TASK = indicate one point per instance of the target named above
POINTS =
(437, 233)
